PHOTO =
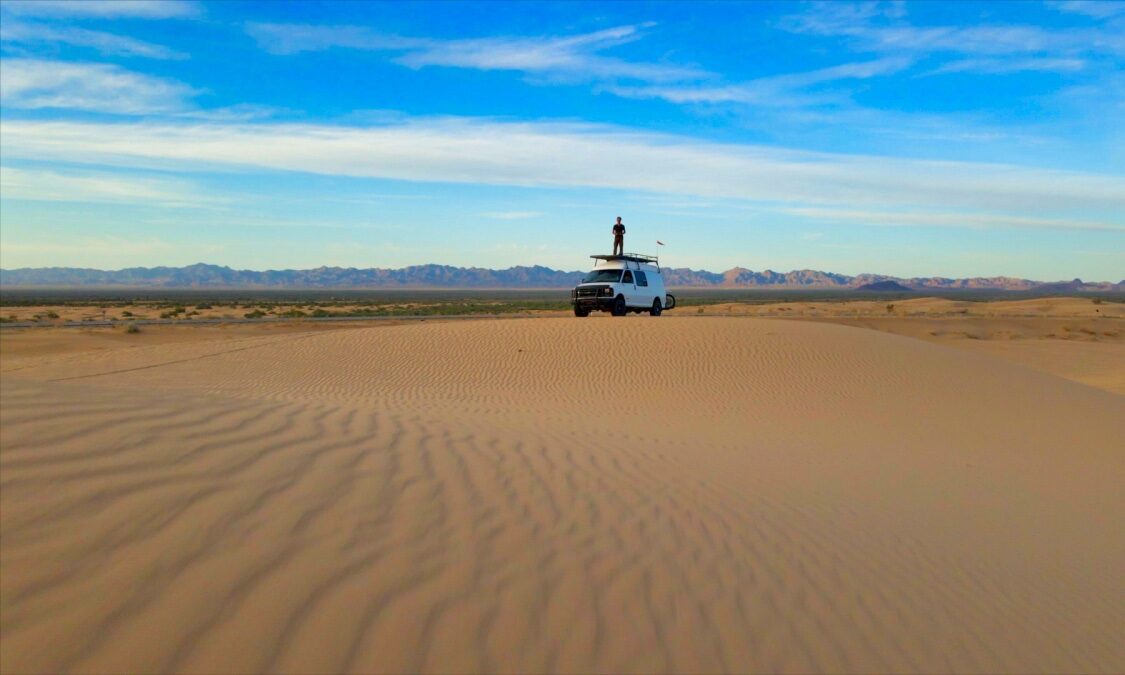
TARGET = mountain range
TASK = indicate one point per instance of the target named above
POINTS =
(202, 275)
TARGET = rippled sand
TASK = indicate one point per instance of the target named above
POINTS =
(675, 494)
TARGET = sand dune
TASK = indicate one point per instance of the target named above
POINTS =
(615, 495)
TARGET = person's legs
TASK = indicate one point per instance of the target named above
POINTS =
(618, 245)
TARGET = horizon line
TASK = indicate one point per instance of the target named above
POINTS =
(544, 267)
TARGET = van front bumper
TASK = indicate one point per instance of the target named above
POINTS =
(605, 303)
(591, 298)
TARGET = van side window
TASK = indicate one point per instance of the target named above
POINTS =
(642, 280)
(628, 278)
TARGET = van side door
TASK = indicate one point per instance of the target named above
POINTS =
(629, 287)
(644, 293)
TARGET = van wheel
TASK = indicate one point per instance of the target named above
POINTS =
(581, 311)
(656, 309)
(619, 308)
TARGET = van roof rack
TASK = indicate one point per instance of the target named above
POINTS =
(631, 257)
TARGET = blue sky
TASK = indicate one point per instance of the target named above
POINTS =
(915, 139)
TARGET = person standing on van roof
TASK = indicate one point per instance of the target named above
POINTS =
(619, 237)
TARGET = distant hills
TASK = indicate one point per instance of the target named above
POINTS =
(885, 286)
(202, 275)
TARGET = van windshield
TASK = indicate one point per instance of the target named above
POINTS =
(612, 276)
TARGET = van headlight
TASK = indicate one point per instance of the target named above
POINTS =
(607, 291)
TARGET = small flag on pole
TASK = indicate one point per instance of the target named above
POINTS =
(659, 242)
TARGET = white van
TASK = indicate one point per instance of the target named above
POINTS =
(620, 284)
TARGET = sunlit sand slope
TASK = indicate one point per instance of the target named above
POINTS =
(673, 494)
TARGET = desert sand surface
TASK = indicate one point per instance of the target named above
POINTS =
(688, 494)
(1082, 339)
(1077, 338)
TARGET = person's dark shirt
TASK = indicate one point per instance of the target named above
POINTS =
(618, 229)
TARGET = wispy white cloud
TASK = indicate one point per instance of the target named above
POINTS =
(869, 28)
(240, 112)
(1096, 9)
(789, 90)
(97, 87)
(948, 219)
(96, 187)
(282, 39)
(20, 32)
(512, 215)
(569, 56)
(105, 251)
(105, 9)
(1001, 66)
(567, 155)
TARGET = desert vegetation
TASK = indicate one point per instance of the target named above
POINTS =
(184, 306)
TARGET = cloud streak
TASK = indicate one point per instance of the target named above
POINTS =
(870, 27)
(18, 32)
(512, 215)
(584, 156)
(95, 187)
(1099, 9)
(105, 9)
(789, 90)
(1004, 66)
(94, 87)
(573, 57)
(973, 220)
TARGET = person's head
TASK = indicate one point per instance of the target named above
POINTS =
(619, 219)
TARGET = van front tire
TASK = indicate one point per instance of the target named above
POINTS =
(581, 311)
(619, 308)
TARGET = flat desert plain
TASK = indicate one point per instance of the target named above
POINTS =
(684, 493)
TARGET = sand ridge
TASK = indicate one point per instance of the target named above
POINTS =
(682, 494)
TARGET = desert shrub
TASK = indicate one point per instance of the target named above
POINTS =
(203, 305)
(890, 309)
(256, 314)
(132, 328)
(295, 313)
(52, 315)
(319, 312)
(126, 313)
(699, 311)
(1097, 301)
(167, 315)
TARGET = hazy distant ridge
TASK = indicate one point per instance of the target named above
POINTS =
(202, 275)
